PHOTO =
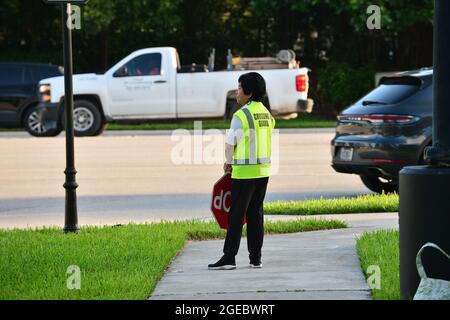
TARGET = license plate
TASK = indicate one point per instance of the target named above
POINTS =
(346, 154)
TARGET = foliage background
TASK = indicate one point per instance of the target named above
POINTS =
(343, 49)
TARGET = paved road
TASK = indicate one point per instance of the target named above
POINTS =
(134, 176)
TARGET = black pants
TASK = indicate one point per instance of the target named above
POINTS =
(247, 197)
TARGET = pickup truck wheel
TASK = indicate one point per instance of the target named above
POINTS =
(379, 185)
(87, 119)
(101, 129)
(33, 124)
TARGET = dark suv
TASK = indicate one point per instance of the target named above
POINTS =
(19, 96)
(386, 130)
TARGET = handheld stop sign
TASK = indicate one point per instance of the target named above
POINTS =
(221, 200)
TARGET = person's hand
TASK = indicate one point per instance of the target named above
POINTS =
(227, 168)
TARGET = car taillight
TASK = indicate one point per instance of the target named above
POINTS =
(379, 119)
(390, 161)
(300, 82)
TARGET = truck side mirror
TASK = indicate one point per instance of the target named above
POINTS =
(121, 72)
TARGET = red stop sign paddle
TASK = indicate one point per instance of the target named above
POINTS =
(221, 200)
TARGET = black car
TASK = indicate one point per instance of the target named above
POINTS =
(387, 129)
(19, 96)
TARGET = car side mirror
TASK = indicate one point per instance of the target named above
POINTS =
(121, 72)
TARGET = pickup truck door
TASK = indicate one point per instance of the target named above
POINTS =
(141, 89)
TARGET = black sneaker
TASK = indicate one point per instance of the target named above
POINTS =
(223, 264)
(255, 264)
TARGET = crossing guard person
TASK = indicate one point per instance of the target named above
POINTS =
(247, 151)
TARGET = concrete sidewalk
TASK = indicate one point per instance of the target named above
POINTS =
(300, 266)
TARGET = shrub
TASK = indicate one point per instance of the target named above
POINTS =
(340, 85)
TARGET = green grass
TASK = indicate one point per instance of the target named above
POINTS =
(381, 248)
(122, 262)
(360, 204)
(11, 129)
(303, 121)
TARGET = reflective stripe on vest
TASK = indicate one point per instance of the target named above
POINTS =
(252, 150)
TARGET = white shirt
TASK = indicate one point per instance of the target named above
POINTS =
(235, 133)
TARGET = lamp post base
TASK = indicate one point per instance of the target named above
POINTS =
(71, 229)
(71, 213)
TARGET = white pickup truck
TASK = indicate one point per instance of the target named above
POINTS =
(148, 85)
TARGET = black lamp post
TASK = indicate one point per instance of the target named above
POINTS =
(71, 214)
(425, 190)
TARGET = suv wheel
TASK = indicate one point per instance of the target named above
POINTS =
(33, 124)
(380, 185)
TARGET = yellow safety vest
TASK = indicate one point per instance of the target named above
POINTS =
(251, 158)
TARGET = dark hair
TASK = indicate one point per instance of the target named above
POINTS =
(253, 83)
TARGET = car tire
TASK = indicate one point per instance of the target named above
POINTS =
(377, 185)
(101, 129)
(87, 120)
(34, 126)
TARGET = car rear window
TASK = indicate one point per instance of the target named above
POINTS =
(393, 90)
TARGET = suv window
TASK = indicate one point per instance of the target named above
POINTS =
(11, 75)
(393, 90)
(144, 65)
(43, 72)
